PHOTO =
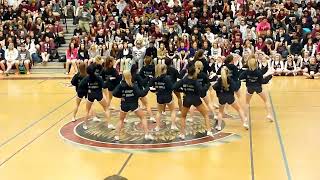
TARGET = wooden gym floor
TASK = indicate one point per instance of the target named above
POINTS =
(33, 112)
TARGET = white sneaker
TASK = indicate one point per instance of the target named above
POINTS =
(182, 136)
(164, 113)
(110, 126)
(189, 119)
(174, 127)
(215, 117)
(218, 128)
(73, 119)
(117, 138)
(157, 128)
(270, 118)
(246, 125)
(179, 112)
(84, 126)
(125, 120)
(148, 137)
(96, 119)
(209, 133)
(152, 119)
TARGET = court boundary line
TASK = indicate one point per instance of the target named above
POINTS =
(125, 164)
(251, 145)
(34, 123)
(280, 139)
(34, 139)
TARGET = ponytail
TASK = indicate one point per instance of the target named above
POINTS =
(160, 69)
(224, 78)
(128, 78)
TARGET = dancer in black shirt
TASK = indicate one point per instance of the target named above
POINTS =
(130, 93)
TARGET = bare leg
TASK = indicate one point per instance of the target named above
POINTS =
(27, 65)
(238, 108)
(173, 115)
(140, 114)
(178, 95)
(120, 124)
(220, 117)
(183, 121)
(88, 107)
(160, 110)
(78, 101)
(105, 106)
(267, 105)
(146, 104)
(248, 99)
(204, 112)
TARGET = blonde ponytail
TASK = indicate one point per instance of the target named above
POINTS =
(252, 63)
(224, 78)
(127, 77)
(160, 69)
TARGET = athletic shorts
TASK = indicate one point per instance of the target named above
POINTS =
(92, 97)
(129, 107)
(254, 89)
(226, 99)
(238, 86)
(164, 99)
(191, 101)
(81, 95)
(109, 86)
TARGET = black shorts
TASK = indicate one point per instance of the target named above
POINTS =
(94, 96)
(81, 95)
(129, 107)
(254, 89)
(191, 101)
(226, 99)
(238, 86)
(164, 99)
(109, 86)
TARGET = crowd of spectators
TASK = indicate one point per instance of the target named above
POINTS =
(176, 29)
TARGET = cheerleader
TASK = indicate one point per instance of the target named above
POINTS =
(92, 85)
(124, 60)
(142, 83)
(234, 73)
(111, 78)
(311, 70)
(264, 63)
(174, 76)
(76, 82)
(83, 55)
(203, 80)
(225, 89)
(218, 64)
(277, 65)
(192, 90)
(162, 85)
(254, 79)
(148, 70)
(290, 68)
(129, 93)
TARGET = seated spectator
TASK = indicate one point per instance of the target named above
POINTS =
(263, 26)
(2, 60)
(71, 58)
(83, 55)
(277, 65)
(290, 68)
(46, 49)
(11, 55)
(57, 30)
(24, 58)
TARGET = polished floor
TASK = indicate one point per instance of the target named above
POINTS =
(33, 112)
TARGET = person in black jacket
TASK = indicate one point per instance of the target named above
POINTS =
(254, 79)
(174, 76)
(162, 85)
(312, 69)
(129, 93)
(203, 80)
(80, 92)
(92, 85)
(192, 91)
(110, 77)
(225, 89)
(2, 60)
(142, 83)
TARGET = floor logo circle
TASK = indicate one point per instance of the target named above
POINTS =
(99, 137)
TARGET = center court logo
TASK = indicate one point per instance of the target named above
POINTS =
(99, 137)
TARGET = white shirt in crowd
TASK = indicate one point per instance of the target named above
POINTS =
(11, 55)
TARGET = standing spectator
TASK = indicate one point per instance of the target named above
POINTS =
(138, 53)
(84, 18)
(11, 55)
